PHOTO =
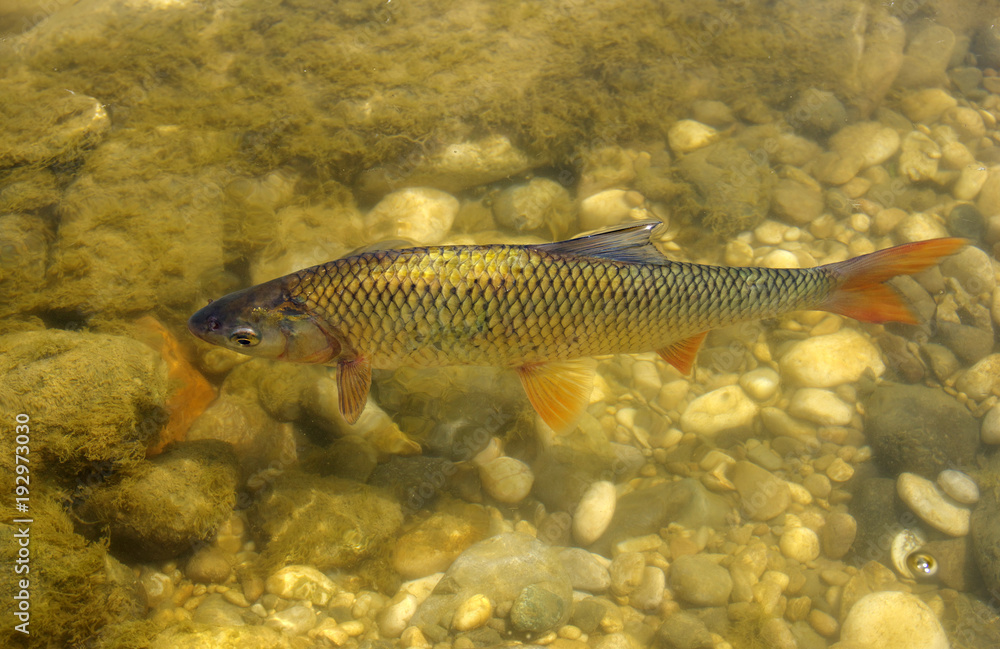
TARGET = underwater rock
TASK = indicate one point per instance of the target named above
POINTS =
(985, 529)
(24, 251)
(419, 214)
(294, 620)
(762, 495)
(990, 432)
(926, 500)
(163, 506)
(81, 590)
(79, 432)
(919, 157)
(818, 111)
(726, 408)
(959, 486)
(542, 205)
(452, 167)
(563, 474)
(434, 543)
(608, 207)
(838, 534)
(830, 360)
(821, 407)
(687, 135)
(928, 54)
(928, 105)
(954, 563)
(646, 511)
(699, 581)
(970, 182)
(416, 482)
(214, 610)
(973, 269)
(587, 571)
(594, 512)
(982, 379)
(515, 571)
(892, 620)
(221, 637)
(761, 383)
(684, 630)
(209, 566)
(507, 479)
(796, 202)
(326, 523)
(472, 613)
(302, 583)
(919, 430)
(47, 126)
(874, 142)
(800, 544)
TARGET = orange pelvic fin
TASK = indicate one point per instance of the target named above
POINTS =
(559, 390)
(681, 353)
(863, 294)
(354, 378)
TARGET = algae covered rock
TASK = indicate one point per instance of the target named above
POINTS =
(169, 504)
(92, 400)
(326, 523)
(76, 588)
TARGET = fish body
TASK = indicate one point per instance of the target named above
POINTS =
(540, 309)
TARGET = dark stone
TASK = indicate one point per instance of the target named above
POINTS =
(415, 481)
(588, 613)
(956, 565)
(985, 527)
(645, 511)
(562, 474)
(920, 430)
(986, 46)
(683, 630)
(970, 343)
(965, 220)
(536, 609)
(880, 516)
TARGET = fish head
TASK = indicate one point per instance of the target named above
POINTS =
(265, 321)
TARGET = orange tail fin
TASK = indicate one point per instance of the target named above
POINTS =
(864, 296)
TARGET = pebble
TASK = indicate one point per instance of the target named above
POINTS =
(507, 479)
(762, 495)
(301, 582)
(472, 613)
(608, 207)
(780, 259)
(540, 204)
(973, 269)
(840, 471)
(649, 594)
(872, 141)
(436, 541)
(395, 617)
(687, 135)
(419, 214)
(209, 566)
(990, 431)
(838, 534)
(926, 501)
(928, 105)
(795, 202)
(820, 407)
(831, 360)
(626, 572)
(959, 486)
(892, 620)
(836, 169)
(594, 512)
(684, 630)
(919, 157)
(294, 620)
(699, 581)
(800, 544)
(982, 379)
(818, 485)
(761, 383)
(970, 181)
(216, 611)
(722, 409)
(824, 623)
(537, 609)
(919, 226)
(587, 571)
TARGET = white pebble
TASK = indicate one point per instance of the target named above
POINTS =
(609, 207)
(928, 502)
(892, 620)
(472, 613)
(506, 479)
(726, 408)
(688, 135)
(959, 486)
(761, 383)
(419, 214)
(594, 512)
(831, 360)
(800, 544)
(820, 407)
(780, 259)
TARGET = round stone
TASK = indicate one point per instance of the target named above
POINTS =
(472, 613)
(700, 581)
(301, 582)
(990, 431)
(928, 502)
(688, 135)
(506, 479)
(831, 360)
(536, 609)
(800, 544)
(762, 495)
(761, 383)
(209, 566)
(594, 512)
(892, 620)
(820, 407)
(959, 486)
(838, 534)
(723, 409)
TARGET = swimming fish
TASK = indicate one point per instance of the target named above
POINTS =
(542, 310)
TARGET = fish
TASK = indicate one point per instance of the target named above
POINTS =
(544, 310)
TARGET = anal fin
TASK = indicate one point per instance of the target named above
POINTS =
(354, 378)
(681, 353)
(559, 390)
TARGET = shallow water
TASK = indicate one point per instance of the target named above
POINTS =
(156, 154)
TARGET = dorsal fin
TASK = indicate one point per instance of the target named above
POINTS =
(629, 243)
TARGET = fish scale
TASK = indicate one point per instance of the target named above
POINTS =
(544, 310)
(536, 306)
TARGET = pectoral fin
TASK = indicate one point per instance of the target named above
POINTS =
(559, 390)
(681, 353)
(354, 378)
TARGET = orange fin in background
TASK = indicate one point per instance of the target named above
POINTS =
(354, 378)
(559, 390)
(863, 294)
(681, 353)
(191, 393)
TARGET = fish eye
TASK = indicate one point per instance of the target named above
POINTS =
(244, 337)
(922, 564)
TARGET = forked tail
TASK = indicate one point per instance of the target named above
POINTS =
(862, 293)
